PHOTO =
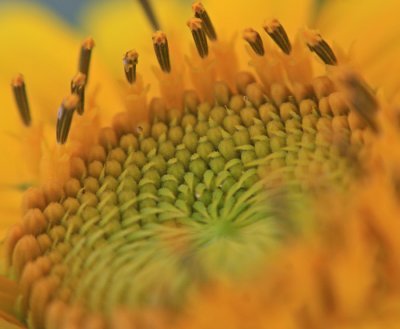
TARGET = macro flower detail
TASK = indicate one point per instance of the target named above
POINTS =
(21, 99)
(237, 197)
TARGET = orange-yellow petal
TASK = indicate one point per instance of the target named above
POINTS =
(45, 50)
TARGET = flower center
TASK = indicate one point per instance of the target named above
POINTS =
(190, 195)
(151, 213)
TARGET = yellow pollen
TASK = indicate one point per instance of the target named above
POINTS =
(65, 115)
(88, 43)
(195, 23)
(86, 52)
(78, 87)
(272, 25)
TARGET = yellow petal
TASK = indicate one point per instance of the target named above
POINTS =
(121, 25)
(292, 14)
(370, 29)
(46, 51)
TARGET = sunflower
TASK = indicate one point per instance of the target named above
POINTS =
(238, 169)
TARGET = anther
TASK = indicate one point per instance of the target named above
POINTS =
(130, 61)
(200, 12)
(18, 86)
(317, 44)
(78, 88)
(64, 118)
(86, 52)
(254, 40)
(276, 31)
(199, 36)
(360, 97)
(160, 43)
(148, 9)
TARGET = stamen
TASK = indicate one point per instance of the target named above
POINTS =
(199, 36)
(161, 48)
(276, 31)
(86, 52)
(78, 88)
(18, 86)
(254, 40)
(200, 12)
(130, 61)
(317, 44)
(360, 97)
(148, 9)
(64, 118)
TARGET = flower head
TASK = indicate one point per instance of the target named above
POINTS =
(209, 196)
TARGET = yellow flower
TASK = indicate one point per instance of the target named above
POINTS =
(240, 174)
